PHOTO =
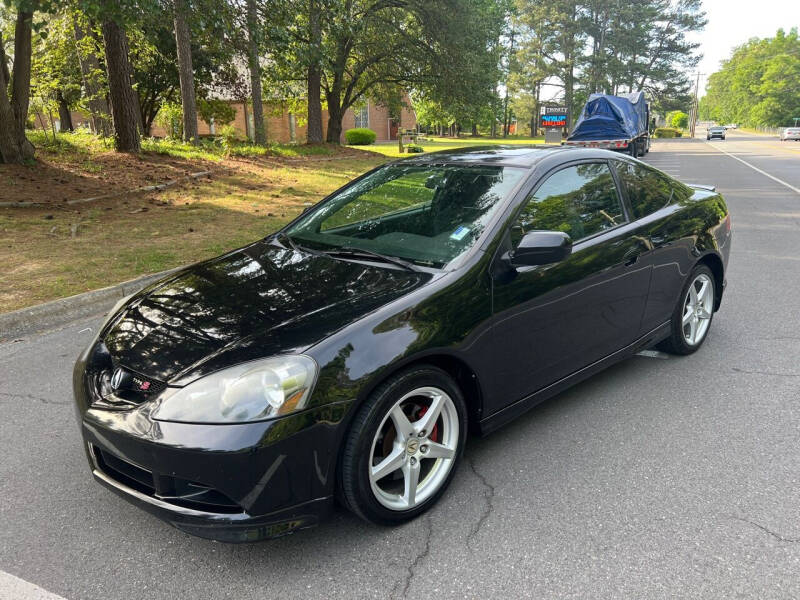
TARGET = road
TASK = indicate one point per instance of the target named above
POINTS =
(662, 477)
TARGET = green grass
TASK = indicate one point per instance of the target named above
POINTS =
(434, 144)
(81, 142)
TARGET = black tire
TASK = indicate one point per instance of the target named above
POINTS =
(676, 342)
(633, 150)
(354, 484)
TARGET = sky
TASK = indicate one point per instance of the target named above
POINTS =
(733, 22)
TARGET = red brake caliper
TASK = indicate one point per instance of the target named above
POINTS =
(435, 431)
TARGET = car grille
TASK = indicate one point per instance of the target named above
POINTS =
(114, 387)
(172, 490)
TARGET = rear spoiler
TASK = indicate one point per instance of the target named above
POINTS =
(710, 188)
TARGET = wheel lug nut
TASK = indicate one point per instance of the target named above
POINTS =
(413, 460)
(422, 433)
(424, 449)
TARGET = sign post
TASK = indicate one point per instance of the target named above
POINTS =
(553, 120)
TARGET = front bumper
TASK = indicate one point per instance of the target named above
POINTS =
(233, 483)
(224, 527)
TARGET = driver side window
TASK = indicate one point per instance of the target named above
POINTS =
(581, 201)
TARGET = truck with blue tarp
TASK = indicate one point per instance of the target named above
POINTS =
(614, 122)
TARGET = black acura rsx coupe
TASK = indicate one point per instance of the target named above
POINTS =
(347, 356)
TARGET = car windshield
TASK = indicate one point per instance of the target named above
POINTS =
(425, 214)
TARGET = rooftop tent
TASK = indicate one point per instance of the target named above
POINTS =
(608, 117)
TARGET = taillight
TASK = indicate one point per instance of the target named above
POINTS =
(728, 223)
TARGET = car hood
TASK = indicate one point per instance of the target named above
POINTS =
(258, 301)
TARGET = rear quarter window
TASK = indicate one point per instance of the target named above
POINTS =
(648, 190)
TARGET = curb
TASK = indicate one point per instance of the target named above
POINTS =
(51, 315)
(147, 188)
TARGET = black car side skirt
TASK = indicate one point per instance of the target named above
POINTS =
(511, 412)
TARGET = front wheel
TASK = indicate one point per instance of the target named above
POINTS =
(692, 317)
(403, 446)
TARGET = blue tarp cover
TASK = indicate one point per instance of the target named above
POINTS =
(611, 118)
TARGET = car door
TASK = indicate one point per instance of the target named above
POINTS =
(553, 320)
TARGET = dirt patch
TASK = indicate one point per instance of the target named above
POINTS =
(55, 179)
(58, 249)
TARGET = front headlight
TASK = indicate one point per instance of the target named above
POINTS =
(248, 392)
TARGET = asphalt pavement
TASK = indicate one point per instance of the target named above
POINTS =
(661, 477)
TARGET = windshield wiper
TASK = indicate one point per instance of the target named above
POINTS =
(287, 240)
(356, 252)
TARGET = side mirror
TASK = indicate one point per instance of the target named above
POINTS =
(541, 248)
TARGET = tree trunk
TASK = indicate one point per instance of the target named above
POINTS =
(14, 146)
(64, 115)
(10, 152)
(260, 132)
(21, 93)
(183, 43)
(90, 71)
(335, 114)
(474, 129)
(314, 130)
(21, 84)
(124, 103)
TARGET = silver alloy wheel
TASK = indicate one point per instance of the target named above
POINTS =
(698, 306)
(422, 451)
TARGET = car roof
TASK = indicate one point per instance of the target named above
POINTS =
(507, 155)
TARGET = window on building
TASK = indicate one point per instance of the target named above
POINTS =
(362, 116)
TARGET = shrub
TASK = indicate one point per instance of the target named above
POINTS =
(229, 138)
(667, 132)
(360, 136)
(170, 117)
(414, 148)
(680, 120)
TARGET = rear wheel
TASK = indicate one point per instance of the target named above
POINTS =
(403, 446)
(692, 317)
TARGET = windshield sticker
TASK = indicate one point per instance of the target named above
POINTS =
(459, 233)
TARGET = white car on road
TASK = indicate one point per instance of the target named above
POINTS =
(790, 133)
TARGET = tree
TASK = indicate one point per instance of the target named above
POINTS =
(124, 103)
(183, 44)
(758, 85)
(561, 36)
(253, 58)
(314, 87)
(364, 45)
(216, 111)
(14, 145)
(93, 77)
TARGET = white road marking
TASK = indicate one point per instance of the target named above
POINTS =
(755, 168)
(14, 588)
(653, 354)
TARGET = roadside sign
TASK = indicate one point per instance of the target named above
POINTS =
(553, 119)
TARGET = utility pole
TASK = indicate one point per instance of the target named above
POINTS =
(695, 102)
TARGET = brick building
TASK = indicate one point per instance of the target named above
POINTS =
(285, 128)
